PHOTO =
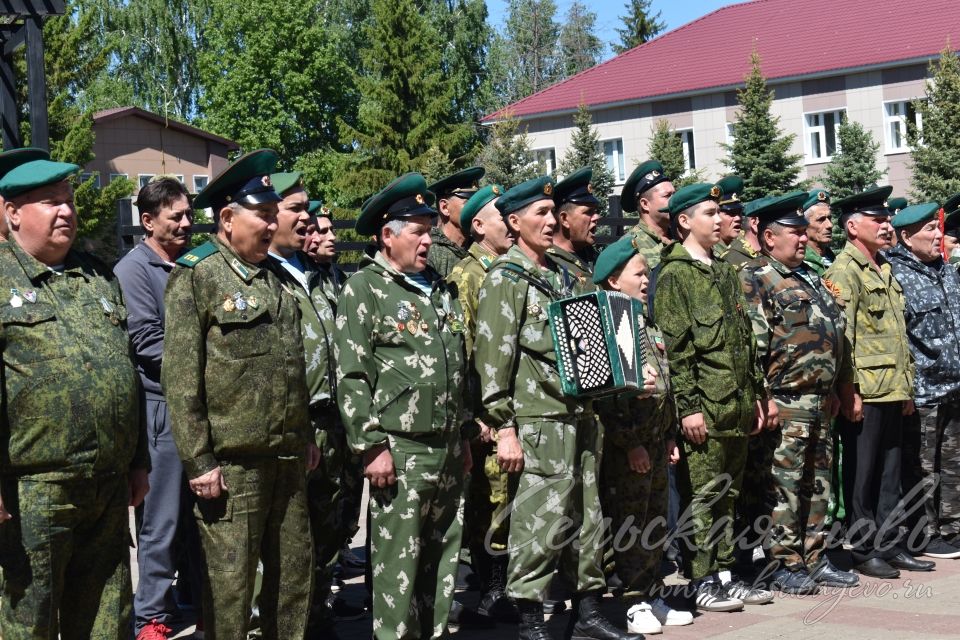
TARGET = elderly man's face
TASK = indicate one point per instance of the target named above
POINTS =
(170, 226)
(407, 250)
(923, 240)
(581, 222)
(729, 225)
(44, 221)
(820, 229)
(786, 244)
(249, 229)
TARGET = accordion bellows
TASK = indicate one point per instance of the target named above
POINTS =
(600, 342)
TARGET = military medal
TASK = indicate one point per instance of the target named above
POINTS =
(239, 302)
(535, 309)
(253, 302)
(412, 328)
(456, 326)
(228, 305)
(106, 304)
(424, 327)
(414, 313)
(15, 300)
(403, 312)
(401, 326)
(30, 296)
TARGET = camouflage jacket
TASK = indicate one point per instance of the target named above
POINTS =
(739, 253)
(71, 401)
(513, 349)
(468, 275)
(932, 294)
(819, 263)
(233, 373)
(710, 344)
(648, 243)
(581, 267)
(400, 357)
(444, 253)
(799, 330)
(876, 333)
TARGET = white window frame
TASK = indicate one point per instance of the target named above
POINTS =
(688, 141)
(728, 132)
(820, 129)
(140, 179)
(898, 120)
(198, 175)
(616, 158)
(91, 174)
(547, 158)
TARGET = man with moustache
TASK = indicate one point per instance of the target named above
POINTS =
(731, 211)
(816, 209)
(235, 383)
(577, 213)
(647, 191)
(449, 240)
(167, 522)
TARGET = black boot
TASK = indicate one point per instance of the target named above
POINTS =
(587, 623)
(494, 601)
(532, 626)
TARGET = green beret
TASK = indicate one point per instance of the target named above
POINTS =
(731, 187)
(478, 201)
(894, 205)
(15, 157)
(524, 193)
(783, 210)
(914, 214)
(405, 197)
(613, 257)
(34, 174)
(815, 197)
(648, 174)
(691, 195)
(316, 208)
(576, 188)
(283, 182)
(952, 204)
(246, 181)
(466, 181)
(872, 202)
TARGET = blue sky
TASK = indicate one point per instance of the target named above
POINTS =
(674, 12)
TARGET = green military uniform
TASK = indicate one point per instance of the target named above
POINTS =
(714, 371)
(235, 383)
(645, 176)
(400, 366)
(444, 253)
(818, 263)
(649, 244)
(579, 267)
(739, 253)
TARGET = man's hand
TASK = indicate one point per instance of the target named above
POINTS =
(209, 485)
(773, 414)
(694, 428)
(313, 456)
(639, 460)
(486, 433)
(909, 407)
(851, 404)
(509, 451)
(673, 452)
(467, 457)
(649, 381)
(378, 467)
(833, 405)
(139, 482)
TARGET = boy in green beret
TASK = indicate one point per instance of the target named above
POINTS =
(640, 434)
(718, 387)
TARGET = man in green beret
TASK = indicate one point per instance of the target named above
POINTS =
(816, 209)
(553, 441)
(894, 206)
(647, 191)
(74, 454)
(401, 376)
(235, 385)
(746, 246)
(449, 239)
(878, 393)
(799, 330)
(577, 213)
(731, 211)
(931, 477)
(10, 160)
(718, 387)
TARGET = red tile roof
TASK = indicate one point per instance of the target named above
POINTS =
(122, 112)
(793, 38)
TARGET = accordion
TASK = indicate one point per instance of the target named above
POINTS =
(600, 340)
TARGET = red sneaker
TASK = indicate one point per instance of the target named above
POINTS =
(154, 631)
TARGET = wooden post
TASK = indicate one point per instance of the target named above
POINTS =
(36, 83)
(8, 104)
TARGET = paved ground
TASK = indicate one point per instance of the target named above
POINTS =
(917, 605)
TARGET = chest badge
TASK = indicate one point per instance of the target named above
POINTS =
(536, 310)
(403, 312)
(228, 304)
(30, 296)
(239, 302)
(15, 300)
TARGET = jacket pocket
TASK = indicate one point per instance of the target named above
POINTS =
(244, 334)
(32, 333)
(409, 410)
(707, 328)
(794, 308)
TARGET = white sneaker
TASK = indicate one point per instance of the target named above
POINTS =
(640, 619)
(669, 617)
(711, 596)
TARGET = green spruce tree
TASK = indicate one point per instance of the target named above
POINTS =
(580, 47)
(760, 152)
(936, 149)
(666, 147)
(524, 57)
(584, 151)
(639, 25)
(507, 156)
(854, 166)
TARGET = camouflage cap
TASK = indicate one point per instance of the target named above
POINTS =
(646, 175)
(246, 181)
(914, 214)
(576, 188)
(691, 195)
(525, 193)
(815, 197)
(478, 201)
(405, 197)
(283, 182)
(466, 181)
(34, 174)
(613, 257)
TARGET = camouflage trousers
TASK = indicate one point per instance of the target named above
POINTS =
(636, 505)
(555, 517)
(931, 459)
(709, 478)
(487, 522)
(757, 497)
(262, 517)
(802, 472)
(66, 559)
(416, 527)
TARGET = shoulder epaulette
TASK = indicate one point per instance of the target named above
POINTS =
(514, 271)
(197, 254)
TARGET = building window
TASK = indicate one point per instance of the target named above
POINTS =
(689, 152)
(613, 152)
(547, 159)
(86, 176)
(896, 115)
(821, 136)
(145, 178)
(728, 130)
(117, 176)
(200, 183)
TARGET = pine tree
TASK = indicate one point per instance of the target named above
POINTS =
(640, 25)
(936, 149)
(760, 152)
(523, 58)
(854, 166)
(584, 151)
(507, 156)
(580, 48)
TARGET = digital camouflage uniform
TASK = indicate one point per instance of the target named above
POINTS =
(649, 244)
(635, 503)
(799, 330)
(714, 371)
(236, 387)
(739, 253)
(560, 436)
(444, 253)
(400, 366)
(73, 430)
(883, 371)
(931, 446)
